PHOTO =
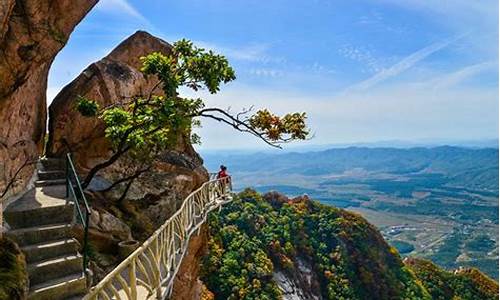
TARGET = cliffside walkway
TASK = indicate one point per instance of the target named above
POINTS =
(149, 272)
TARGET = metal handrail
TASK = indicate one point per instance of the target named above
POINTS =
(149, 272)
(82, 200)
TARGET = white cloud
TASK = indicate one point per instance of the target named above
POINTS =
(403, 65)
(52, 92)
(263, 72)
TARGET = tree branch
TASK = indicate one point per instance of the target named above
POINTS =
(103, 165)
(13, 179)
(129, 184)
(131, 177)
(236, 123)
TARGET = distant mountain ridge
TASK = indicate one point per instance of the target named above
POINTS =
(398, 144)
(472, 168)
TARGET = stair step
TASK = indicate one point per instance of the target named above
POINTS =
(40, 183)
(35, 235)
(50, 249)
(51, 175)
(53, 163)
(40, 216)
(44, 270)
(65, 287)
(40, 206)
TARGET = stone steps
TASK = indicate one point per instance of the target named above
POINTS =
(40, 206)
(51, 175)
(40, 183)
(40, 222)
(33, 235)
(46, 250)
(67, 287)
(53, 164)
(39, 217)
(53, 268)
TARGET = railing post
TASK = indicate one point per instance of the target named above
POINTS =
(67, 176)
(133, 280)
(156, 271)
(85, 241)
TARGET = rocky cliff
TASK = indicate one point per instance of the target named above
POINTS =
(155, 196)
(31, 34)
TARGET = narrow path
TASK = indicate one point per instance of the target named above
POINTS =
(149, 272)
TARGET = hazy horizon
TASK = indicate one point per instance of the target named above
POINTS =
(403, 144)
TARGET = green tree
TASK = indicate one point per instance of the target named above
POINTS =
(145, 125)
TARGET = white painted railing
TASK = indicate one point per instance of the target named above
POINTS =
(149, 272)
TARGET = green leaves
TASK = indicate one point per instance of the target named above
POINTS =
(188, 66)
(86, 107)
(253, 236)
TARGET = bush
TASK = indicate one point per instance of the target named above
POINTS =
(13, 275)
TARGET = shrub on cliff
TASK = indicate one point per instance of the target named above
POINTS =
(13, 275)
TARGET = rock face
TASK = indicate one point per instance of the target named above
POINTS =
(186, 284)
(302, 284)
(31, 34)
(108, 227)
(155, 196)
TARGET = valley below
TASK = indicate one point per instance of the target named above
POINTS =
(437, 203)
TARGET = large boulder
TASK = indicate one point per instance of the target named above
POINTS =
(155, 196)
(117, 77)
(31, 34)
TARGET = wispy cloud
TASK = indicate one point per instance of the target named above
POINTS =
(459, 76)
(254, 52)
(121, 7)
(403, 65)
(263, 72)
(361, 55)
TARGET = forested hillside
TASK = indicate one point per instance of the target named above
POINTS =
(269, 247)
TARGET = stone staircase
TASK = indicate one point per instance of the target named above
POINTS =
(40, 222)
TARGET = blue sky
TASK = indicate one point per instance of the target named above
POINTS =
(364, 71)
